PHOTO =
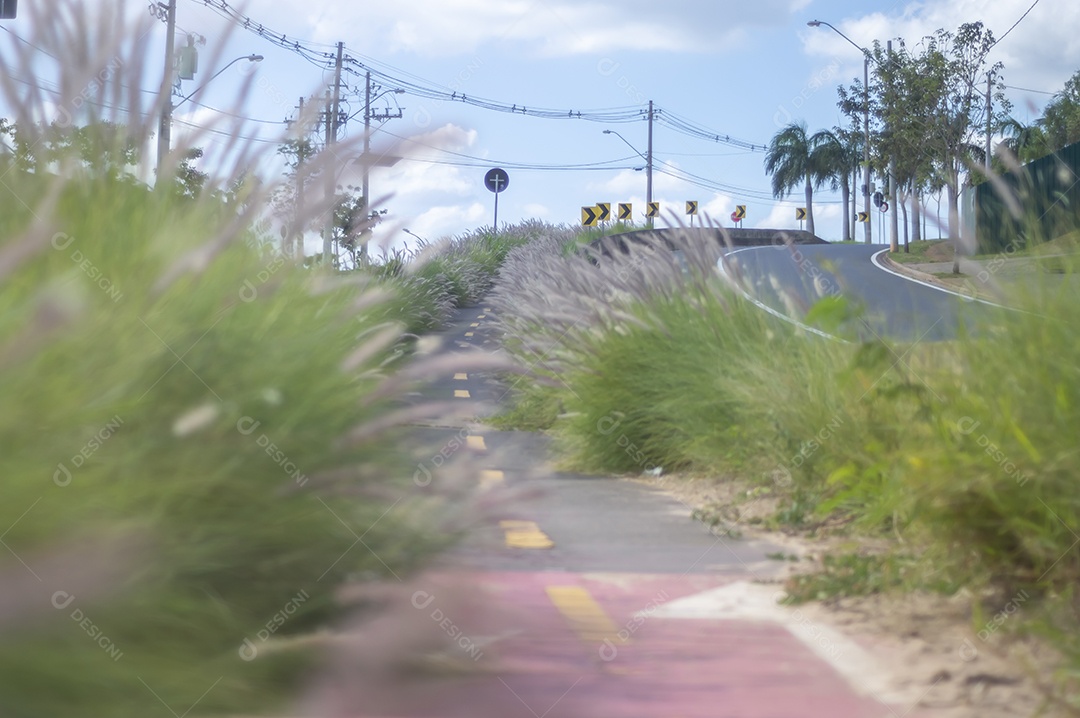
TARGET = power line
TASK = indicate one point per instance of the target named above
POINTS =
(1025, 89)
(425, 89)
(1016, 23)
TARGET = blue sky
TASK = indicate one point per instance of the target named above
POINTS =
(738, 69)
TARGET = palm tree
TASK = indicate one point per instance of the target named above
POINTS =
(789, 161)
(1026, 142)
(831, 160)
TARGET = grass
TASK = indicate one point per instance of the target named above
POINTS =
(195, 428)
(961, 451)
(924, 252)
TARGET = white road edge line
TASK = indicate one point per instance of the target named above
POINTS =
(760, 305)
(881, 265)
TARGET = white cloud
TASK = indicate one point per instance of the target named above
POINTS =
(552, 28)
(537, 210)
(448, 220)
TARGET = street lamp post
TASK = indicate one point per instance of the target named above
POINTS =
(164, 136)
(249, 58)
(866, 122)
(648, 163)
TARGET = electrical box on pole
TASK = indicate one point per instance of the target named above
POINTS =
(8, 9)
(187, 63)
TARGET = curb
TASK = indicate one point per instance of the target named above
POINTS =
(885, 262)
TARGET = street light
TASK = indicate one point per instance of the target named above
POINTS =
(249, 58)
(414, 234)
(169, 108)
(648, 164)
(866, 121)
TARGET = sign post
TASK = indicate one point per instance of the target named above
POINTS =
(691, 209)
(496, 180)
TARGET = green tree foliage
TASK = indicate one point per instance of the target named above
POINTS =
(789, 161)
(1061, 119)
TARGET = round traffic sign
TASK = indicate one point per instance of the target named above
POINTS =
(496, 180)
(884, 206)
(734, 216)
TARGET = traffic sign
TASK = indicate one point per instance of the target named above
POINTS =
(653, 210)
(740, 211)
(864, 216)
(691, 208)
(589, 216)
(626, 212)
(735, 216)
(884, 206)
(605, 211)
(800, 213)
(496, 180)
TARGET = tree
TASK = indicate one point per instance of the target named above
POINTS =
(288, 200)
(1026, 142)
(791, 164)
(832, 160)
(1060, 122)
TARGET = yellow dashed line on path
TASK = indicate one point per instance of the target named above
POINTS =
(461, 394)
(461, 377)
(586, 617)
(475, 324)
(476, 443)
(469, 334)
(490, 478)
(525, 534)
(482, 316)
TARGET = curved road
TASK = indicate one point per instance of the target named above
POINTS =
(789, 280)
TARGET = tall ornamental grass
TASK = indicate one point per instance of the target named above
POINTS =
(198, 442)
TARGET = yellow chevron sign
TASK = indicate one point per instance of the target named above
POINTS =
(626, 212)
(653, 210)
(740, 211)
(864, 216)
(604, 208)
(589, 216)
(800, 213)
(691, 207)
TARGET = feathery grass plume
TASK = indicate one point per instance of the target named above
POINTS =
(435, 279)
(171, 387)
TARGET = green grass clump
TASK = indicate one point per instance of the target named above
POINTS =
(434, 280)
(965, 451)
(175, 402)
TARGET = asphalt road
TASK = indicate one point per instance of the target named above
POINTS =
(791, 279)
(578, 596)
(593, 523)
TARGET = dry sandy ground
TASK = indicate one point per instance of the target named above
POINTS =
(930, 645)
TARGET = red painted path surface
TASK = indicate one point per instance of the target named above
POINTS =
(539, 666)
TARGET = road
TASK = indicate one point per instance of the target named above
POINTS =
(583, 596)
(893, 306)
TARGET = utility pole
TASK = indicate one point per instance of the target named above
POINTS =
(296, 236)
(989, 111)
(332, 102)
(165, 126)
(366, 184)
(648, 170)
(866, 145)
(894, 227)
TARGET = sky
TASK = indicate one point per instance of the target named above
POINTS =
(736, 70)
